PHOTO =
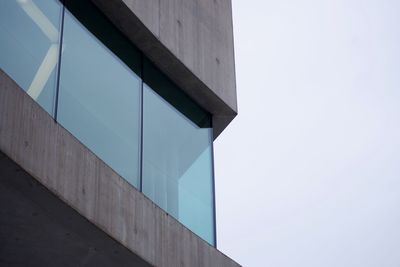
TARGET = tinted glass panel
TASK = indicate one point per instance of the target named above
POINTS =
(99, 99)
(29, 46)
(177, 161)
(100, 103)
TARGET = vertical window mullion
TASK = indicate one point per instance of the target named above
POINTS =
(213, 187)
(59, 61)
(141, 125)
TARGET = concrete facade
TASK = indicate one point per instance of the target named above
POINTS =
(56, 159)
(189, 40)
(63, 206)
(38, 229)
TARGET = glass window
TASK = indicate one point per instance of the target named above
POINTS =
(177, 154)
(100, 102)
(29, 46)
(99, 97)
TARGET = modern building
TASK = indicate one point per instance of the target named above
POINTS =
(108, 112)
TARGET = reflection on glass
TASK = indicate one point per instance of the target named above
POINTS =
(99, 100)
(177, 162)
(29, 46)
(100, 103)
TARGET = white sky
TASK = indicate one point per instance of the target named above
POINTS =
(308, 174)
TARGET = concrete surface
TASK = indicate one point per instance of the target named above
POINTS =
(38, 229)
(50, 154)
(189, 40)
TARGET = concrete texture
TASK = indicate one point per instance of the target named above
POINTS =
(189, 40)
(38, 229)
(50, 154)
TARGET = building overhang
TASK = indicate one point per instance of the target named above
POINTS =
(31, 138)
(191, 42)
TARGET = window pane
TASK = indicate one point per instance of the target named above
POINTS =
(177, 161)
(99, 99)
(29, 46)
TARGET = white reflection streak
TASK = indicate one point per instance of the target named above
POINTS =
(50, 60)
(43, 74)
(40, 19)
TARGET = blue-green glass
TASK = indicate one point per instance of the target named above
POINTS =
(29, 46)
(177, 164)
(99, 100)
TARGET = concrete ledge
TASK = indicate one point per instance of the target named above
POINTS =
(191, 41)
(38, 229)
(50, 154)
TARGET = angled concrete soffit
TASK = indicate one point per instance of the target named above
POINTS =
(191, 41)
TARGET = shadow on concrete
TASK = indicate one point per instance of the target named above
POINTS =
(39, 229)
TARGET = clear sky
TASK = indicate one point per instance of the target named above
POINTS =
(308, 174)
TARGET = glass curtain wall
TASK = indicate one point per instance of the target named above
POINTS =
(112, 99)
(177, 154)
(99, 99)
(29, 46)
